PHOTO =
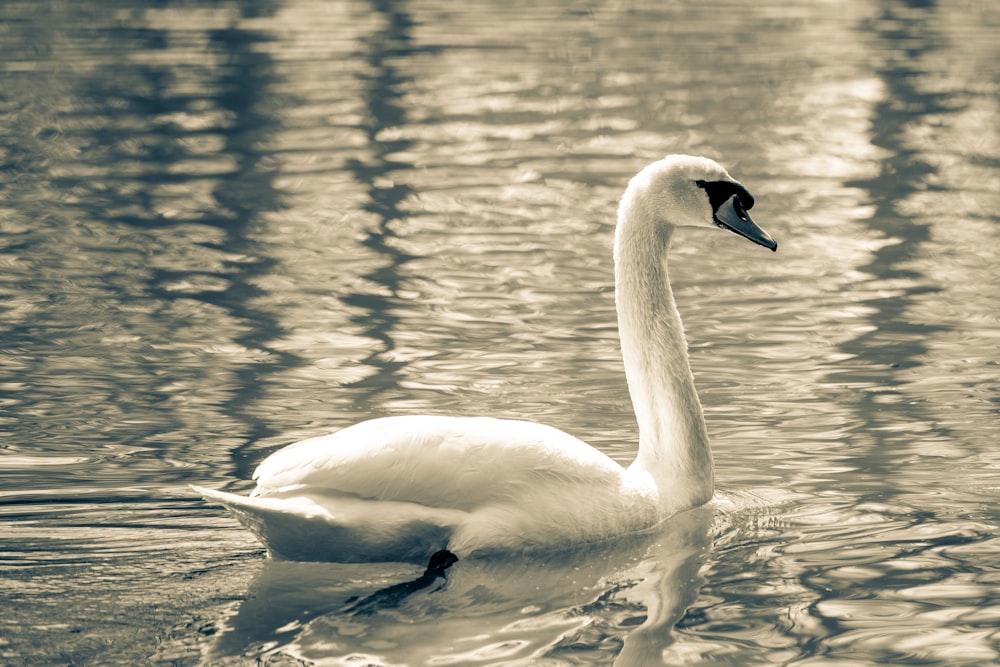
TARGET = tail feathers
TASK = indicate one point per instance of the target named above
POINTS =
(338, 529)
(238, 503)
(227, 499)
(271, 508)
(287, 526)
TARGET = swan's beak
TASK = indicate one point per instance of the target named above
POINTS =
(732, 216)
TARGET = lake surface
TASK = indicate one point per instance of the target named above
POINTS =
(226, 226)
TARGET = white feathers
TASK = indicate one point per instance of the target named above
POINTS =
(401, 488)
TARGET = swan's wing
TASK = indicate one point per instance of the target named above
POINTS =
(455, 462)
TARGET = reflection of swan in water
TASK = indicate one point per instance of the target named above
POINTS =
(404, 488)
(615, 602)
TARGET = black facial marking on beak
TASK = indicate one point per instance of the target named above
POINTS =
(730, 202)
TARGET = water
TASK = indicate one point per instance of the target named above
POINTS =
(227, 226)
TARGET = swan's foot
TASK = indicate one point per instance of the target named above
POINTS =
(393, 596)
(439, 562)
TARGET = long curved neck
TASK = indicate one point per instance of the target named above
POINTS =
(673, 441)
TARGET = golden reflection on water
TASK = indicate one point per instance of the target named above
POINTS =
(228, 227)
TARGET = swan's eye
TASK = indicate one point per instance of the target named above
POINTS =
(719, 192)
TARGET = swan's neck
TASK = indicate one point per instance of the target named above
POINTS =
(674, 450)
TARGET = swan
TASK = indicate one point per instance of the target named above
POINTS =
(406, 488)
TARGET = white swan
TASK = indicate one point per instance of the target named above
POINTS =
(403, 488)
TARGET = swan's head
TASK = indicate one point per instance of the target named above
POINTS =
(687, 191)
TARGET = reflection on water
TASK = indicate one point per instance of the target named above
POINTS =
(636, 591)
(382, 94)
(131, 234)
(226, 226)
(893, 342)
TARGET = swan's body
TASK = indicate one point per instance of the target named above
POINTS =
(403, 488)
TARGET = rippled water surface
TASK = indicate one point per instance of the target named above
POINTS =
(225, 226)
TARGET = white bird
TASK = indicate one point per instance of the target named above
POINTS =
(404, 488)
